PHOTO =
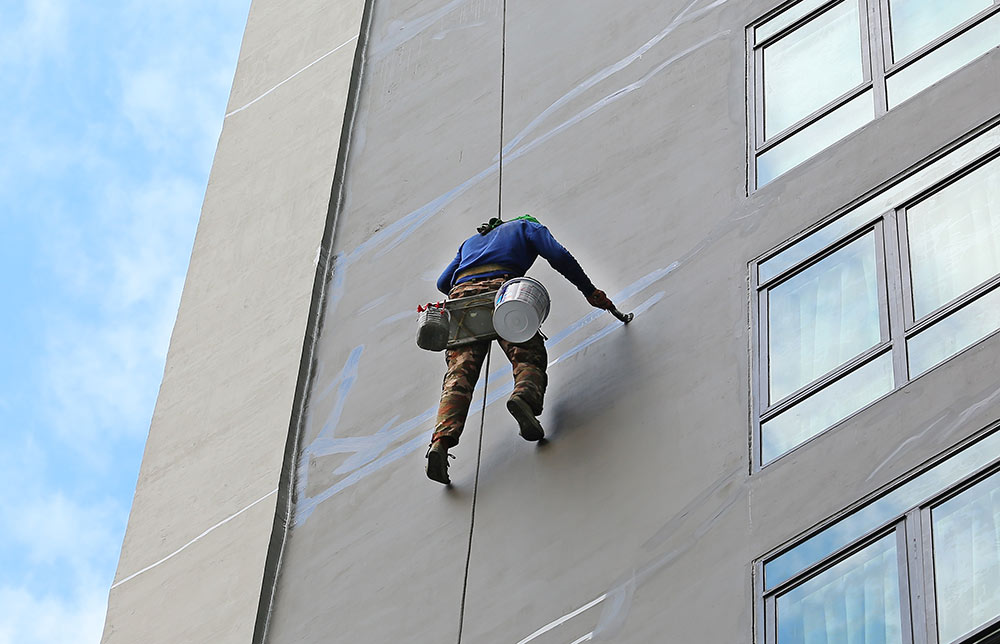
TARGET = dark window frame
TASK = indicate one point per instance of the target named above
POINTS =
(914, 549)
(894, 292)
(877, 67)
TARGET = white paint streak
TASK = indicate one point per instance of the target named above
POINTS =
(562, 620)
(613, 69)
(585, 638)
(195, 540)
(324, 56)
(392, 319)
(409, 30)
(607, 100)
(442, 34)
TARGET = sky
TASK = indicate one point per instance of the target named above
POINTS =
(109, 118)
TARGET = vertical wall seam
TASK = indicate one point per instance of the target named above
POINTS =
(307, 364)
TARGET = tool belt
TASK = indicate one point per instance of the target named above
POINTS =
(482, 269)
(471, 318)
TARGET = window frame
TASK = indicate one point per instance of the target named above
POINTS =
(878, 67)
(769, 602)
(894, 291)
(914, 550)
(914, 325)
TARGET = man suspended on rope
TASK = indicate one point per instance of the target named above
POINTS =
(501, 251)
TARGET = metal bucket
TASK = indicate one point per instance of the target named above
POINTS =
(433, 326)
(521, 305)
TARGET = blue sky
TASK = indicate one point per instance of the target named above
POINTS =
(110, 115)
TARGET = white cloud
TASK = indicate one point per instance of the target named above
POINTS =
(28, 618)
(110, 125)
(56, 538)
(41, 32)
(102, 371)
(128, 255)
(52, 528)
(167, 102)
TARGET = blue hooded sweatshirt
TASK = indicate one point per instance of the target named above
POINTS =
(515, 245)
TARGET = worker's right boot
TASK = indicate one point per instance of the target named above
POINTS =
(531, 429)
(437, 462)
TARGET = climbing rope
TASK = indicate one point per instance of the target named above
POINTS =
(475, 494)
(489, 350)
(503, 70)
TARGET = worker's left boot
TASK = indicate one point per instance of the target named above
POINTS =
(437, 462)
(531, 429)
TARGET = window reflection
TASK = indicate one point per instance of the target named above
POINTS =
(954, 238)
(856, 601)
(917, 22)
(890, 198)
(811, 66)
(823, 317)
(877, 513)
(814, 138)
(825, 408)
(785, 18)
(958, 331)
(967, 559)
(942, 61)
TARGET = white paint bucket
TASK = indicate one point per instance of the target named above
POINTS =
(521, 305)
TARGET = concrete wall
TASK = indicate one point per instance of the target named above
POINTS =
(193, 560)
(626, 126)
(639, 520)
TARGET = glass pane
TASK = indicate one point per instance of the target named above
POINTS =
(785, 18)
(882, 510)
(960, 330)
(880, 203)
(954, 238)
(825, 408)
(944, 60)
(967, 559)
(818, 136)
(917, 22)
(855, 601)
(823, 317)
(811, 66)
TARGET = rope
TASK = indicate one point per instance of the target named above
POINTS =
(489, 350)
(503, 70)
(475, 494)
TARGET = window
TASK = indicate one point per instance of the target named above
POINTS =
(920, 563)
(822, 69)
(878, 296)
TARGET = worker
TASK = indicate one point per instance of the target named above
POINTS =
(500, 251)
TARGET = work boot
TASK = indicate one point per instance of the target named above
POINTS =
(437, 462)
(531, 429)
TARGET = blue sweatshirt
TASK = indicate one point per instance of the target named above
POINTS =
(514, 244)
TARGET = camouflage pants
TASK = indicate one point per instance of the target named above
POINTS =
(528, 359)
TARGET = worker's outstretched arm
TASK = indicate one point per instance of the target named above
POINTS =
(444, 282)
(560, 259)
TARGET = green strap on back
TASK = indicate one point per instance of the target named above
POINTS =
(496, 221)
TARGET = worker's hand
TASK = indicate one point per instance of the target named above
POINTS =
(600, 300)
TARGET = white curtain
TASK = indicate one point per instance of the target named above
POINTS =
(967, 559)
(854, 602)
(954, 239)
(822, 317)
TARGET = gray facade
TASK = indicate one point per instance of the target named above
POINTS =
(282, 498)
